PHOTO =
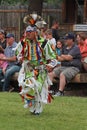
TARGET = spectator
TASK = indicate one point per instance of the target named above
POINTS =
(58, 51)
(81, 40)
(2, 47)
(12, 61)
(55, 27)
(50, 38)
(70, 64)
(3, 64)
(2, 41)
(59, 46)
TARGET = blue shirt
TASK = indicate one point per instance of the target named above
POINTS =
(58, 50)
(9, 52)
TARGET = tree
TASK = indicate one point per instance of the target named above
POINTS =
(13, 2)
(35, 5)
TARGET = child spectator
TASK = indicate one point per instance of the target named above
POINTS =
(50, 50)
(59, 46)
(50, 38)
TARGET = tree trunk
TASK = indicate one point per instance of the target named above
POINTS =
(35, 6)
(85, 11)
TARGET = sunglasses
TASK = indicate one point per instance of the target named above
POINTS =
(30, 31)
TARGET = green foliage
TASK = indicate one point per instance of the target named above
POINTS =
(13, 2)
(64, 113)
(54, 1)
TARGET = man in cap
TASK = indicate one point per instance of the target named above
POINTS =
(11, 59)
(70, 63)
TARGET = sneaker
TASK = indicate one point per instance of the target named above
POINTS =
(35, 113)
(59, 94)
(2, 80)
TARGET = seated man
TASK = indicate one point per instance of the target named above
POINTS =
(13, 65)
(70, 63)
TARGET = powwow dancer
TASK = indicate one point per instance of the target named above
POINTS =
(33, 79)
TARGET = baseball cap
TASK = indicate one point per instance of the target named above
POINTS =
(2, 31)
(30, 29)
(9, 35)
(69, 36)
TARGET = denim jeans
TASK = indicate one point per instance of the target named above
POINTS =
(9, 72)
(1, 77)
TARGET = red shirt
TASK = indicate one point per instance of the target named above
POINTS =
(83, 49)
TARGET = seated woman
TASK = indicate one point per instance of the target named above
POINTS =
(3, 64)
(82, 43)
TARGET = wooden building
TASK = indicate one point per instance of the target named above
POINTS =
(74, 11)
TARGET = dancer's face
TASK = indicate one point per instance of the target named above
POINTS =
(30, 35)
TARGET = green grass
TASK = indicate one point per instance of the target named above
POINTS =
(64, 113)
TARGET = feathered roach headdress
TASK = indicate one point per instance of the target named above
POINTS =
(34, 20)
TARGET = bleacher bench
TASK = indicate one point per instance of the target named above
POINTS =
(79, 78)
(15, 76)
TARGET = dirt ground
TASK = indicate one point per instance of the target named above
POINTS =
(76, 90)
(73, 89)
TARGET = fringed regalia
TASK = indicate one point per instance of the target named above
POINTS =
(33, 79)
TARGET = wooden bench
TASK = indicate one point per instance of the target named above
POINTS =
(79, 78)
(14, 82)
(76, 87)
(15, 76)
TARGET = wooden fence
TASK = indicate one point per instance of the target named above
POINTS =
(11, 19)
